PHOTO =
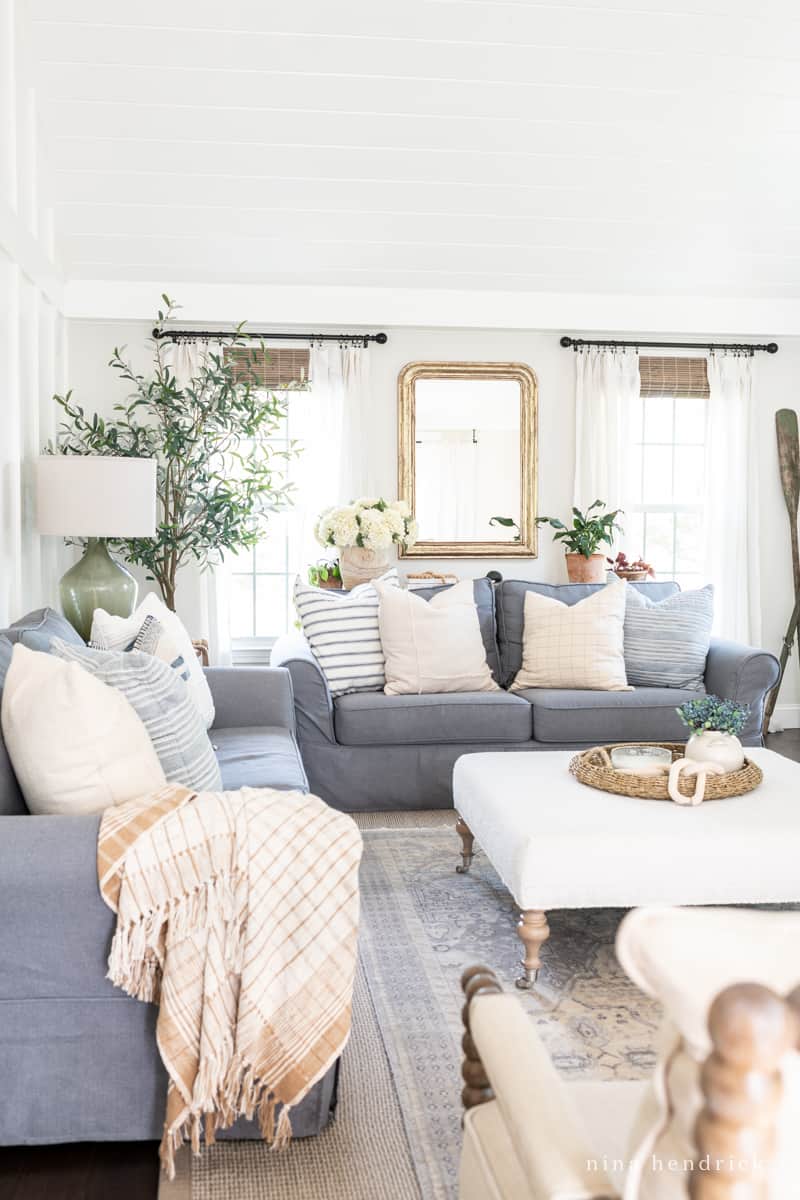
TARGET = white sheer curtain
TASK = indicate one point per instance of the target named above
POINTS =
(731, 498)
(606, 392)
(332, 425)
(202, 596)
(447, 485)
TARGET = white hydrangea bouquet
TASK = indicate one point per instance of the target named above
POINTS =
(364, 532)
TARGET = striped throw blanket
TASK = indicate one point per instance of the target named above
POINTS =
(237, 912)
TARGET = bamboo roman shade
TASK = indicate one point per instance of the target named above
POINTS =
(662, 376)
(277, 367)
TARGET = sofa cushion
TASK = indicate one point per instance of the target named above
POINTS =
(435, 645)
(574, 645)
(259, 756)
(666, 641)
(158, 694)
(37, 628)
(645, 714)
(373, 719)
(484, 595)
(511, 608)
(11, 801)
(76, 745)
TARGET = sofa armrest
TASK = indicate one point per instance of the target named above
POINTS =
(537, 1111)
(56, 929)
(312, 697)
(746, 675)
(250, 696)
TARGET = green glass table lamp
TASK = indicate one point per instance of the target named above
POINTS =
(96, 497)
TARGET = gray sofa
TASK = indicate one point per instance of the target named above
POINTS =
(372, 751)
(78, 1058)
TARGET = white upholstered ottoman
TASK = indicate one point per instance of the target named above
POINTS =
(556, 843)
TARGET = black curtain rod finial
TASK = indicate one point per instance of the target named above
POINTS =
(748, 347)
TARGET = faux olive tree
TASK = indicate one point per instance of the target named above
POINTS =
(219, 476)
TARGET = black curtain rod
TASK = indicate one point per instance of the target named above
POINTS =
(748, 347)
(215, 335)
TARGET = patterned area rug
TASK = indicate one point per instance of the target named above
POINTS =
(397, 1134)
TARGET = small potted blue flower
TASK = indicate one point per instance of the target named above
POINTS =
(715, 726)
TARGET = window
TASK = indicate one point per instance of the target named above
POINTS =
(261, 579)
(665, 522)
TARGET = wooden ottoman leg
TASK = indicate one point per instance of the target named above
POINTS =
(467, 842)
(534, 931)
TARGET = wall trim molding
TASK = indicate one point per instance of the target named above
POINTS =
(786, 716)
(705, 316)
(22, 248)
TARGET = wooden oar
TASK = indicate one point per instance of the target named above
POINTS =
(789, 463)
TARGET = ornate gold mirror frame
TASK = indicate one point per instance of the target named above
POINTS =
(526, 546)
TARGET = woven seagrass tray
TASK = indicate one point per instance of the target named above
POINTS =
(593, 767)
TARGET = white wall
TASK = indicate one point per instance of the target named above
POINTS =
(95, 387)
(32, 332)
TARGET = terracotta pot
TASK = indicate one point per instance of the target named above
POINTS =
(586, 570)
(359, 566)
(333, 585)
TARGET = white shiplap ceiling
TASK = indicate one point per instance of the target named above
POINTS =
(642, 146)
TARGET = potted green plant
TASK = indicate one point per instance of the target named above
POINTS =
(325, 574)
(715, 726)
(582, 540)
(219, 476)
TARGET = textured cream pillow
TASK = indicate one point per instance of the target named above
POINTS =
(117, 633)
(432, 645)
(574, 645)
(76, 745)
(684, 958)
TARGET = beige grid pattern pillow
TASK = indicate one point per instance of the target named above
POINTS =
(574, 645)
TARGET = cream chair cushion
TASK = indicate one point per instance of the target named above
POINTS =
(432, 645)
(76, 745)
(684, 958)
(574, 645)
(530, 1143)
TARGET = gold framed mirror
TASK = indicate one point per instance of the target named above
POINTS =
(467, 458)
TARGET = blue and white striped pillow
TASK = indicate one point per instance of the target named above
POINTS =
(666, 642)
(343, 634)
(164, 705)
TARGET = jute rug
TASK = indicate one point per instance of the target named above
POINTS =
(396, 1134)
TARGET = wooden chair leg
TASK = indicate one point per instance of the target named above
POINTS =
(533, 931)
(477, 1089)
(751, 1030)
(467, 843)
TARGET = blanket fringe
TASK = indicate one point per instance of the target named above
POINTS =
(137, 950)
(238, 1094)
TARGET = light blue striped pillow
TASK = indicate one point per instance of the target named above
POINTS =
(163, 703)
(343, 634)
(666, 641)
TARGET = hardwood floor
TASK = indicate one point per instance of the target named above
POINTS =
(82, 1171)
(129, 1170)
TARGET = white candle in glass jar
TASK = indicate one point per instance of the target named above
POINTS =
(640, 758)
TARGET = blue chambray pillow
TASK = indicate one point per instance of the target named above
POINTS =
(666, 641)
(162, 701)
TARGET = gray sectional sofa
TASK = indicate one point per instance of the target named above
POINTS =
(372, 751)
(78, 1058)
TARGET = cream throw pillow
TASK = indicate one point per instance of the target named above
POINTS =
(574, 645)
(432, 645)
(684, 958)
(117, 633)
(76, 745)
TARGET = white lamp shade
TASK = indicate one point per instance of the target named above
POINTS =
(96, 496)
